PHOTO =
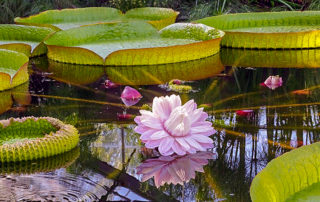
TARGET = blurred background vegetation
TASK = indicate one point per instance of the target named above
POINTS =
(189, 9)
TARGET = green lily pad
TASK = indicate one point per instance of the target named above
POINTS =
(294, 176)
(303, 58)
(133, 43)
(161, 74)
(268, 30)
(13, 69)
(24, 39)
(33, 138)
(71, 18)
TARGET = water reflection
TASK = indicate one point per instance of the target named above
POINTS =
(174, 169)
(282, 120)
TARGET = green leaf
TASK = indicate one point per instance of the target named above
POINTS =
(133, 43)
(24, 39)
(33, 138)
(71, 18)
(13, 69)
(268, 30)
(294, 176)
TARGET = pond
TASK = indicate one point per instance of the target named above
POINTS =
(104, 165)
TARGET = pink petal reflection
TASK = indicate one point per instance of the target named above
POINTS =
(174, 169)
(109, 84)
(273, 82)
(130, 96)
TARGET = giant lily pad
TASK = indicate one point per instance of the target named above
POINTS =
(133, 43)
(70, 18)
(305, 58)
(269, 30)
(13, 69)
(160, 74)
(294, 176)
(33, 138)
(24, 39)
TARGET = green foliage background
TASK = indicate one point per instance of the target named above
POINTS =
(189, 9)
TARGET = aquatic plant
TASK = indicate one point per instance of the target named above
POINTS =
(29, 138)
(130, 96)
(24, 39)
(13, 69)
(71, 18)
(268, 30)
(175, 128)
(173, 169)
(293, 176)
(133, 43)
(273, 82)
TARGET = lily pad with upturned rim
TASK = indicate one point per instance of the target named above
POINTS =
(24, 39)
(294, 176)
(29, 138)
(13, 69)
(71, 18)
(133, 43)
(269, 30)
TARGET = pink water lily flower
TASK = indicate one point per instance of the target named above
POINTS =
(174, 169)
(175, 128)
(130, 96)
(273, 82)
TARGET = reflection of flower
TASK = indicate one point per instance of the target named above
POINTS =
(109, 84)
(273, 82)
(174, 169)
(174, 128)
(130, 96)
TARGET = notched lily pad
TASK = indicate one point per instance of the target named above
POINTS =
(24, 39)
(71, 18)
(133, 43)
(269, 30)
(13, 69)
(294, 176)
(33, 138)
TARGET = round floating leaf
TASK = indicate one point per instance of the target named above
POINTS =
(306, 58)
(33, 138)
(160, 74)
(71, 18)
(133, 43)
(294, 176)
(24, 39)
(269, 30)
(13, 69)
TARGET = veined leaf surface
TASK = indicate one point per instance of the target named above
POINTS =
(13, 69)
(24, 39)
(294, 176)
(133, 43)
(269, 30)
(71, 18)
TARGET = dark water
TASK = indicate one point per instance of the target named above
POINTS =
(104, 165)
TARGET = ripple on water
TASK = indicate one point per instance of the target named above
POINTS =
(52, 186)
